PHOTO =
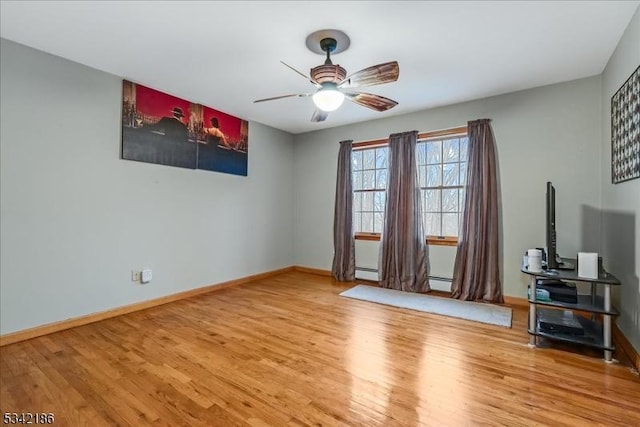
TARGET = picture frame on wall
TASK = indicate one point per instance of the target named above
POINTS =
(163, 129)
(625, 130)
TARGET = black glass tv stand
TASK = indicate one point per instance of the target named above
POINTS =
(595, 331)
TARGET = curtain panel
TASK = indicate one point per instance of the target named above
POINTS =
(476, 274)
(344, 259)
(404, 257)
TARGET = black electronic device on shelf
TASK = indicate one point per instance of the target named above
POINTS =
(552, 258)
(559, 321)
(559, 290)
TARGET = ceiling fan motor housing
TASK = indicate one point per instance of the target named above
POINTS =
(328, 73)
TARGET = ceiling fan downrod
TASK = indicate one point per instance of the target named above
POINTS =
(328, 45)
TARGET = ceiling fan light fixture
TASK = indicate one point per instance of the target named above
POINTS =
(328, 98)
(331, 79)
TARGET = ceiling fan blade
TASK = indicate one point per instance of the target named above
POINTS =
(374, 75)
(282, 96)
(315, 83)
(319, 115)
(369, 100)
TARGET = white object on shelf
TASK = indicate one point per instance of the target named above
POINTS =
(535, 260)
(588, 265)
(146, 276)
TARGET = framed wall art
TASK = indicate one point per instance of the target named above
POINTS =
(625, 130)
(163, 129)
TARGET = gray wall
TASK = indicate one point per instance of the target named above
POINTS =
(76, 219)
(548, 133)
(621, 202)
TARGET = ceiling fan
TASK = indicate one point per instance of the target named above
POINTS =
(333, 83)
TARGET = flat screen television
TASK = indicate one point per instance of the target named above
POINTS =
(552, 258)
(551, 255)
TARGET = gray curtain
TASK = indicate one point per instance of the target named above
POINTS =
(476, 274)
(404, 260)
(344, 246)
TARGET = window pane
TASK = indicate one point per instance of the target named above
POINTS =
(433, 200)
(368, 179)
(357, 222)
(450, 150)
(464, 148)
(367, 222)
(450, 224)
(378, 201)
(422, 176)
(356, 157)
(434, 152)
(463, 173)
(381, 157)
(450, 200)
(369, 159)
(434, 176)
(462, 195)
(357, 180)
(450, 174)
(367, 201)
(381, 178)
(378, 222)
(421, 153)
(433, 224)
(357, 202)
(423, 202)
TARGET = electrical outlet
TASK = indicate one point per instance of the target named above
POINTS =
(146, 276)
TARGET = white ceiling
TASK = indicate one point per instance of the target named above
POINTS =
(226, 54)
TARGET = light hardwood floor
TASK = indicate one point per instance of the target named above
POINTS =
(288, 350)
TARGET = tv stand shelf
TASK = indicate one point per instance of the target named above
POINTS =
(586, 303)
(596, 330)
(593, 335)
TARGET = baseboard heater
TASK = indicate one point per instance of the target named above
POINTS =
(437, 283)
(366, 273)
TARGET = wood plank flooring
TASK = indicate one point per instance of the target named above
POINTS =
(288, 351)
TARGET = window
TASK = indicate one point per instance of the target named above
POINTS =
(369, 189)
(442, 169)
(442, 166)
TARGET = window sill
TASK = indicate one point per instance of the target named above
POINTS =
(442, 241)
(431, 240)
(367, 236)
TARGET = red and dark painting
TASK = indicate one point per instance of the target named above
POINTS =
(163, 129)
